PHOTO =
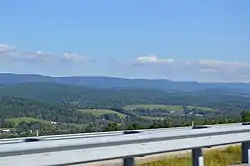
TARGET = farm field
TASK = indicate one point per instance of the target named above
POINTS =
(27, 120)
(100, 112)
(153, 118)
(153, 106)
(164, 107)
(200, 108)
(18, 120)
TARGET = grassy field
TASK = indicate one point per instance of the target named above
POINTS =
(154, 106)
(200, 108)
(100, 112)
(164, 107)
(217, 157)
(153, 118)
(27, 120)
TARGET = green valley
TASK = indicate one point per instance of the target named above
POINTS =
(100, 112)
(58, 108)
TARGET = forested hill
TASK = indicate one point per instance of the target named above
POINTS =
(37, 105)
(12, 107)
(86, 97)
(111, 82)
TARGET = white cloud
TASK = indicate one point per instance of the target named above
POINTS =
(36, 56)
(223, 65)
(202, 64)
(73, 57)
(11, 54)
(209, 69)
(40, 62)
(5, 48)
(153, 59)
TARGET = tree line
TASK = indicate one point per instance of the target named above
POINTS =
(69, 120)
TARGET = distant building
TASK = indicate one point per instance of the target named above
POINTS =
(4, 130)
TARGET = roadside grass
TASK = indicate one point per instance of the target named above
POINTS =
(100, 112)
(216, 157)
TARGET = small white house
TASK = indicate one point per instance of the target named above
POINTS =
(54, 123)
(4, 130)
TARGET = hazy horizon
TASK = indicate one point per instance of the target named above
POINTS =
(135, 78)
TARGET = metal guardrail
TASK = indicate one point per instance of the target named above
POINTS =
(129, 146)
(85, 135)
(58, 137)
(98, 134)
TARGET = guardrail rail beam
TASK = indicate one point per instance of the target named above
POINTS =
(125, 145)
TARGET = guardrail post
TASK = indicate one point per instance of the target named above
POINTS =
(197, 157)
(129, 161)
(245, 149)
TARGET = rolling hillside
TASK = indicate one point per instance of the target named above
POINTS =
(99, 98)
(100, 112)
(111, 82)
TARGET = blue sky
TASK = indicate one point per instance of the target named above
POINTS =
(205, 40)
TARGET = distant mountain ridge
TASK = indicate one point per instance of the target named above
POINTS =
(112, 82)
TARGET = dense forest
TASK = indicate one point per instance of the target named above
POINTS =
(85, 97)
(53, 108)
